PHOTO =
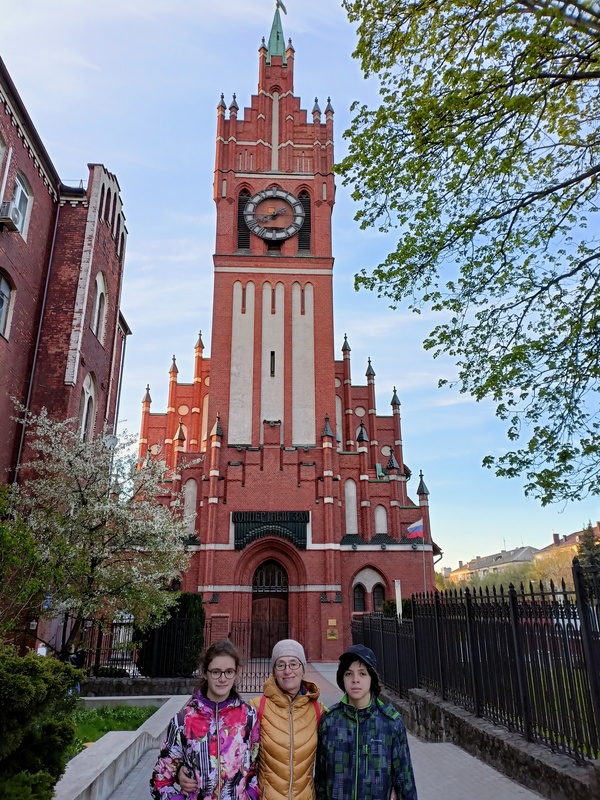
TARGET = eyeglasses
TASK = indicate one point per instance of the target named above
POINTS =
(280, 666)
(216, 673)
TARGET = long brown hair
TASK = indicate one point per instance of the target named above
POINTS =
(222, 648)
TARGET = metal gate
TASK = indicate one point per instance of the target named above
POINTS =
(255, 638)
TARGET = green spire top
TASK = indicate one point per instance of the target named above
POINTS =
(276, 40)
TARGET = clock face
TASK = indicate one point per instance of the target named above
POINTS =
(274, 214)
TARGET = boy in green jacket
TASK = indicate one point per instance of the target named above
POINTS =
(363, 751)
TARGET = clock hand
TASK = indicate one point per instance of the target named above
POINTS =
(276, 213)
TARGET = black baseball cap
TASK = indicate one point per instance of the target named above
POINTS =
(362, 653)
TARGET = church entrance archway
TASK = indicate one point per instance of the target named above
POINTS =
(269, 607)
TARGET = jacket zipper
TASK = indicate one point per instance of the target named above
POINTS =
(218, 753)
(290, 790)
(356, 758)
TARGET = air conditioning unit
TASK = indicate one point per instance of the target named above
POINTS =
(10, 216)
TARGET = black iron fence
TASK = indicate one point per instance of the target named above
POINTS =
(527, 659)
(118, 649)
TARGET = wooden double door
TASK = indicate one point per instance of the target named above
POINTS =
(270, 621)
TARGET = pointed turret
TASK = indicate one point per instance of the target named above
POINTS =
(143, 443)
(362, 433)
(422, 490)
(327, 428)
(276, 39)
(392, 463)
(395, 401)
(373, 427)
(180, 435)
(348, 428)
(217, 429)
(173, 370)
(233, 107)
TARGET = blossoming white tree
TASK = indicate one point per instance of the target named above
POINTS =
(109, 529)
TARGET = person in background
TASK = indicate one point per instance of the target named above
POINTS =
(363, 750)
(211, 746)
(289, 711)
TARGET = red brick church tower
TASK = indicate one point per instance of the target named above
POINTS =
(302, 510)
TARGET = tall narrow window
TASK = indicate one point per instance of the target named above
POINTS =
(359, 597)
(101, 203)
(378, 597)
(5, 296)
(107, 207)
(22, 201)
(99, 308)
(304, 232)
(272, 363)
(243, 233)
(87, 408)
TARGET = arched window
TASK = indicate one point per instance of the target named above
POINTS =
(22, 200)
(6, 296)
(114, 211)
(190, 496)
(304, 232)
(381, 519)
(107, 207)
(99, 308)
(101, 203)
(87, 408)
(378, 597)
(359, 597)
(350, 503)
(243, 232)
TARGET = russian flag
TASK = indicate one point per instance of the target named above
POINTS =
(415, 531)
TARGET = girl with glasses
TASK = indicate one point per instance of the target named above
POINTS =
(211, 747)
(289, 712)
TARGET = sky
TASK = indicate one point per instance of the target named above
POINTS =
(134, 84)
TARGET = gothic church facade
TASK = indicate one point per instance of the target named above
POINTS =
(299, 487)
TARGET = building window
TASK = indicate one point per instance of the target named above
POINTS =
(304, 232)
(5, 298)
(87, 409)
(378, 597)
(359, 597)
(243, 232)
(190, 499)
(101, 203)
(22, 200)
(99, 308)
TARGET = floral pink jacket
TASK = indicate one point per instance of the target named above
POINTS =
(217, 740)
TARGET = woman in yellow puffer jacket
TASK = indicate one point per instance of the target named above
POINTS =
(289, 712)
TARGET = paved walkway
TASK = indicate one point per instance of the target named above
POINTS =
(441, 770)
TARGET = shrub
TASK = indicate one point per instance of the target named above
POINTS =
(173, 650)
(389, 608)
(37, 697)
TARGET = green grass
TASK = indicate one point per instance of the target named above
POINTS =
(92, 723)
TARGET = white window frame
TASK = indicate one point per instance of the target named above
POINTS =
(87, 408)
(6, 302)
(98, 318)
(22, 199)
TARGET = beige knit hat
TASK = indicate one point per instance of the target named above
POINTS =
(288, 648)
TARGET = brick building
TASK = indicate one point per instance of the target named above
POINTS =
(62, 336)
(303, 514)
